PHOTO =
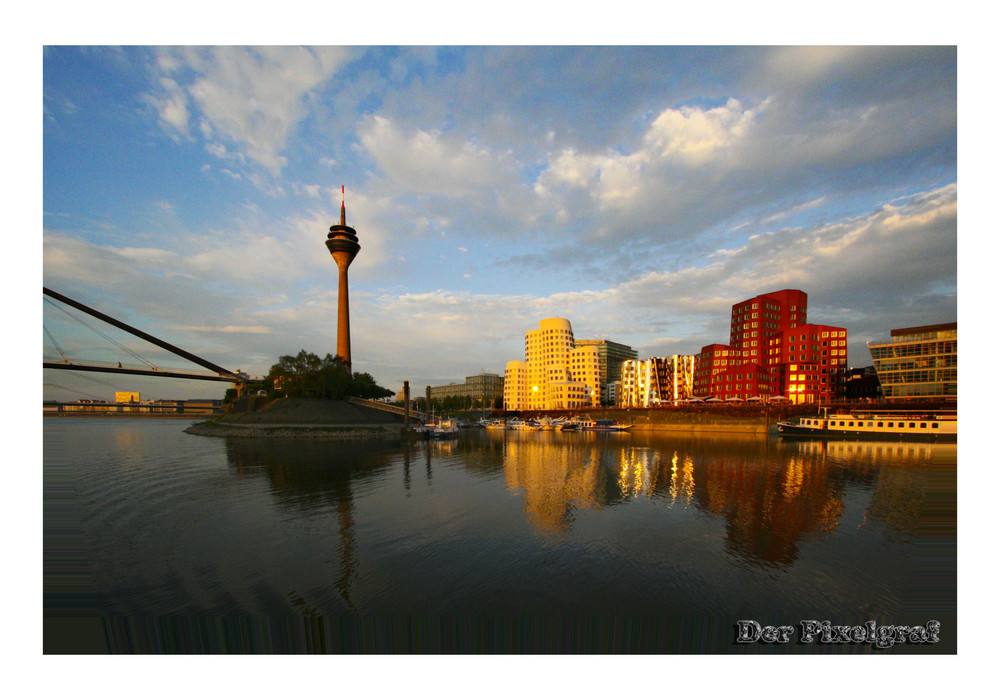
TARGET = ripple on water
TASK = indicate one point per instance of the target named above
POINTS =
(644, 525)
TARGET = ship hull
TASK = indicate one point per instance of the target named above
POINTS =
(793, 430)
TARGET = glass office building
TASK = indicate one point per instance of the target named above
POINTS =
(918, 363)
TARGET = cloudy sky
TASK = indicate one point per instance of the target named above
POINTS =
(637, 191)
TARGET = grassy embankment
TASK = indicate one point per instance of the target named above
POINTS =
(315, 418)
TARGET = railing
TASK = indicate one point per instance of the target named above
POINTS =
(378, 405)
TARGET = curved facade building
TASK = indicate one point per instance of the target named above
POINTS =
(555, 374)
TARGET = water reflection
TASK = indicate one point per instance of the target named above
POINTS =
(772, 495)
(555, 475)
(316, 477)
(510, 524)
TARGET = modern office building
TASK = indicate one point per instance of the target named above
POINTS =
(656, 381)
(808, 363)
(773, 350)
(611, 356)
(482, 388)
(918, 363)
(515, 386)
(712, 361)
(556, 372)
(721, 373)
(755, 320)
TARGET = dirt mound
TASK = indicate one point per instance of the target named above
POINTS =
(315, 412)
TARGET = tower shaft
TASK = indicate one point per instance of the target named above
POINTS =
(343, 309)
(342, 242)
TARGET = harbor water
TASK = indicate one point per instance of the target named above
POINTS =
(521, 542)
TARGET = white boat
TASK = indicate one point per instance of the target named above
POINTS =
(874, 424)
(604, 425)
(444, 429)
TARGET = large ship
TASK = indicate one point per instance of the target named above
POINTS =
(881, 425)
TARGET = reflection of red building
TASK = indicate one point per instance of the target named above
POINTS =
(773, 350)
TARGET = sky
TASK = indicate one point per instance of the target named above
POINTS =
(637, 188)
(638, 191)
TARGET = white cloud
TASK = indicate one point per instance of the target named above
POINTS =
(893, 253)
(171, 106)
(433, 162)
(660, 177)
(795, 210)
(805, 64)
(250, 97)
(695, 135)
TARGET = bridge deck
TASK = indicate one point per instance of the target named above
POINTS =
(399, 410)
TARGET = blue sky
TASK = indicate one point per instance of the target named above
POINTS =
(637, 191)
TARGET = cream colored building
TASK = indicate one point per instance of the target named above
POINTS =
(555, 374)
(515, 382)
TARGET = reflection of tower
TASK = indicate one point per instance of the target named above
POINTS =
(342, 242)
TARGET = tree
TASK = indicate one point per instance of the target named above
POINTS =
(306, 375)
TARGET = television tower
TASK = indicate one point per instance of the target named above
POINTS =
(342, 242)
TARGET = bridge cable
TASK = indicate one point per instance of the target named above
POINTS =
(75, 391)
(109, 339)
(92, 379)
(65, 359)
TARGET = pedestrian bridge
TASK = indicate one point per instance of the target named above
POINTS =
(378, 405)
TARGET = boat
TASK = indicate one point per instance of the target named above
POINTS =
(445, 429)
(605, 425)
(496, 425)
(880, 425)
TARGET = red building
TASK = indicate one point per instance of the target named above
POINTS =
(809, 363)
(712, 361)
(774, 351)
(755, 320)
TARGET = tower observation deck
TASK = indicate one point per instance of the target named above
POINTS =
(342, 242)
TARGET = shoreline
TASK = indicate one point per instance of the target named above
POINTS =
(287, 430)
(129, 414)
